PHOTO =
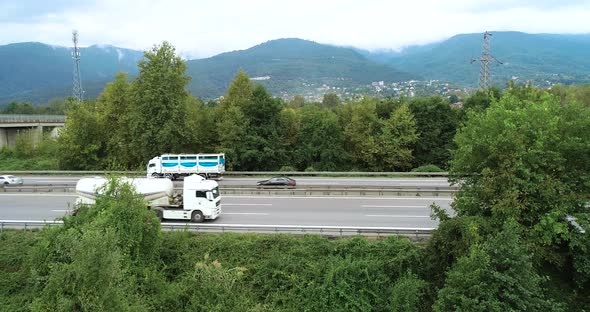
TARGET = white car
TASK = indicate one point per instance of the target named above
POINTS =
(10, 179)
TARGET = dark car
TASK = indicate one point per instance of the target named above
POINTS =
(278, 181)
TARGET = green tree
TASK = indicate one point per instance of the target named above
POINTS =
(102, 258)
(361, 128)
(18, 108)
(82, 142)
(396, 140)
(481, 100)
(497, 275)
(232, 130)
(526, 158)
(239, 92)
(320, 140)
(114, 105)
(330, 100)
(297, 102)
(264, 148)
(436, 124)
(159, 99)
(233, 124)
(201, 127)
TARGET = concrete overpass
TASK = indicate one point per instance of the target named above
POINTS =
(34, 125)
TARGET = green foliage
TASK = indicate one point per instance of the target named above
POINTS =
(481, 100)
(287, 169)
(287, 273)
(114, 112)
(15, 285)
(159, 100)
(209, 287)
(32, 151)
(427, 168)
(408, 294)
(436, 123)
(398, 134)
(330, 100)
(82, 142)
(526, 158)
(497, 275)
(451, 241)
(379, 144)
(319, 140)
(100, 258)
(54, 107)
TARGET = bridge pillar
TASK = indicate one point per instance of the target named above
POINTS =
(3, 137)
(37, 134)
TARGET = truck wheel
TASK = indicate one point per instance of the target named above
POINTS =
(169, 176)
(197, 217)
(155, 175)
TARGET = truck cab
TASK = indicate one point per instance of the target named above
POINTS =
(200, 201)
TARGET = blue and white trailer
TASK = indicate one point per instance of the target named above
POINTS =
(173, 166)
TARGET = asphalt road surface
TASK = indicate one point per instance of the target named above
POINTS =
(271, 210)
(301, 181)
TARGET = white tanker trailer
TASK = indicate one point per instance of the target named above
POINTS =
(199, 200)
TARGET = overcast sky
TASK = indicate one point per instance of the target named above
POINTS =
(204, 28)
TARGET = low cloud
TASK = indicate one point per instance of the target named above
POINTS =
(200, 29)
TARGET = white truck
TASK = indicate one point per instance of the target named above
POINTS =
(173, 166)
(200, 199)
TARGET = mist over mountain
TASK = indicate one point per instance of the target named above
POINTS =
(541, 58)
(38, 72)
(290, 64)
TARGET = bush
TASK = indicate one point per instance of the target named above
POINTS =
(497, 275)
(310, 169)
(408, 294)
(287, 169)
(102, 258)
(428, 168)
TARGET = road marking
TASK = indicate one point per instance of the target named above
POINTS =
(245, 213)
(378, 206)
(224, 204)
(396, 216)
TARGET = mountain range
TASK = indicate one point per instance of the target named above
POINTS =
(38, 72)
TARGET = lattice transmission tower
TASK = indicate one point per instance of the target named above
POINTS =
(485, 60)
(78, 92)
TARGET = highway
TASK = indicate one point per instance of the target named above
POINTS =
(301, 181)
(269, 210)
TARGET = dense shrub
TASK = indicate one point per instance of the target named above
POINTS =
(427, 168)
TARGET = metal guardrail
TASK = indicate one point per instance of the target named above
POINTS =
(308, 190)
(237, 173)
(341, 191)
(255, 228)
(6, 118)
(38, 188)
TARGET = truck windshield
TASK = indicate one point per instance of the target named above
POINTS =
(215, 192)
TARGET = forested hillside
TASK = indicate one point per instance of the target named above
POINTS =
(541, 58)
(37, 72)
(289, 64)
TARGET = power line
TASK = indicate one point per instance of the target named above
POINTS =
(78, 92)
(485, 75)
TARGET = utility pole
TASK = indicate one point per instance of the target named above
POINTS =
(78, 92)
(485, 75)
